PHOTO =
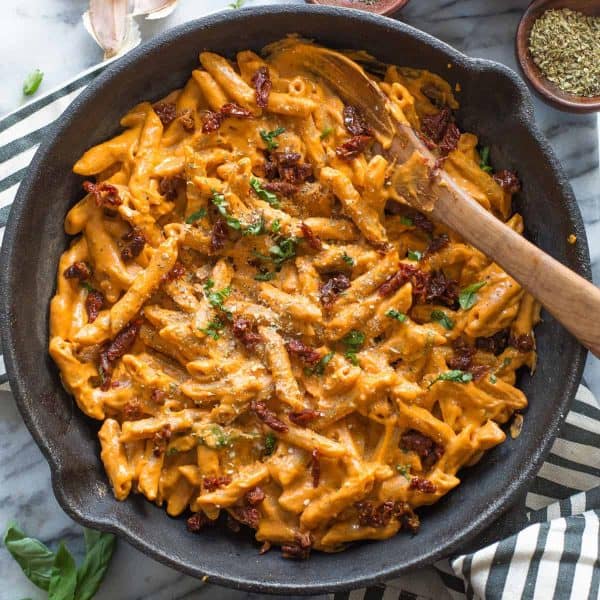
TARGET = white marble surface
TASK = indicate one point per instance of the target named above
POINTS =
(48, 34)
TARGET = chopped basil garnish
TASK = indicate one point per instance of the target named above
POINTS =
(268, 276)
(396, 314)
(267, 137)
(32, 82)
(221, 438)
(468, 296)
(196, 216)
(442, 318)
(414, 255)
(219, 201)
(276, 226)
(348, 259)
(493, 378)
(485, 160)
(270, 443)
(255, 228)
(213, 328)
(406, 221)
(353, 341)
(319, 368)
(263, 194)
(326, 132)
(404, 470)
(283, 250)
(456, 375)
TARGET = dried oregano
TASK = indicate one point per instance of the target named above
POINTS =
(565, 45)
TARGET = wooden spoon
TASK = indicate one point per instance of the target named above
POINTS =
(571, 299)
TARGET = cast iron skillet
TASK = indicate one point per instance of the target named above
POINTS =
(494, 104)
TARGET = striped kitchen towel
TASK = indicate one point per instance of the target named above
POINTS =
(553, 551)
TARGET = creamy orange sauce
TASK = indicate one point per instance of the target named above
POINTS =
(181, 408)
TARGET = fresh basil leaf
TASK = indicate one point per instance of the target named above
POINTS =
(63, 581)
(414, 255)
(319, 368)
(196, 216)
(236, 4)
(485, 160)
(326, 132)
(396, 314)
(213, 328)
(270, 443)
(348, 259)
(32, 82)
(456, 375)
(268, 276)
(468, 296)
(351, 356)
(33, 557)
(263, 194)
(255, 228)
(276, 226)
(442, 318)
(354, 340)
(267, 137)
(404, 470)
(99, 549)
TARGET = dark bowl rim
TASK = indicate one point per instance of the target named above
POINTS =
(493, 510)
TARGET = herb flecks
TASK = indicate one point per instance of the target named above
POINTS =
(268, 137)
(353, 341)
(484, 162)
(196, 216)
(396, 314)
(219, 201)
(457, 376)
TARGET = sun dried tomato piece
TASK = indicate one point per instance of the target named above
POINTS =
(262, 86)
(508, 181)
(270, 168)
(105, 194)
(168, 186)
(372, 515)
(478, 371)
(442, 290)
(267, 416)
(436, 244)
(243, 330)
(303, 417)
(166, 112)
(161, 439)
(197, 522)
(213, 482)
(303, 351)
(231, 109)
(315, 467)
(211, 121)
(246, 515)
(94, 303)
(462, 357)
(135, 244)
(333, 288)
(132, 410)
(355, 122)
(219, 235)
(300, 549)
(281, 187)
(422, 485)
(313, 240)
(523, 342)
(186, 118)
(450, 140)
(113, 350)
(254, 496)
(422, 222)
(407, 517)
(434, 126)
(177, 271)
(353, 147)
(495, 343)
(290, 169)
(78, 270)
(428, 451)
(418, 278)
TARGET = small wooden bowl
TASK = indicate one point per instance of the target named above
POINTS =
(548, 91)
(381, 7)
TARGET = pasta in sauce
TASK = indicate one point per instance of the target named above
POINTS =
(265, 329)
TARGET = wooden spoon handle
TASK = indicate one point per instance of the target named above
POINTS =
(573, 301)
